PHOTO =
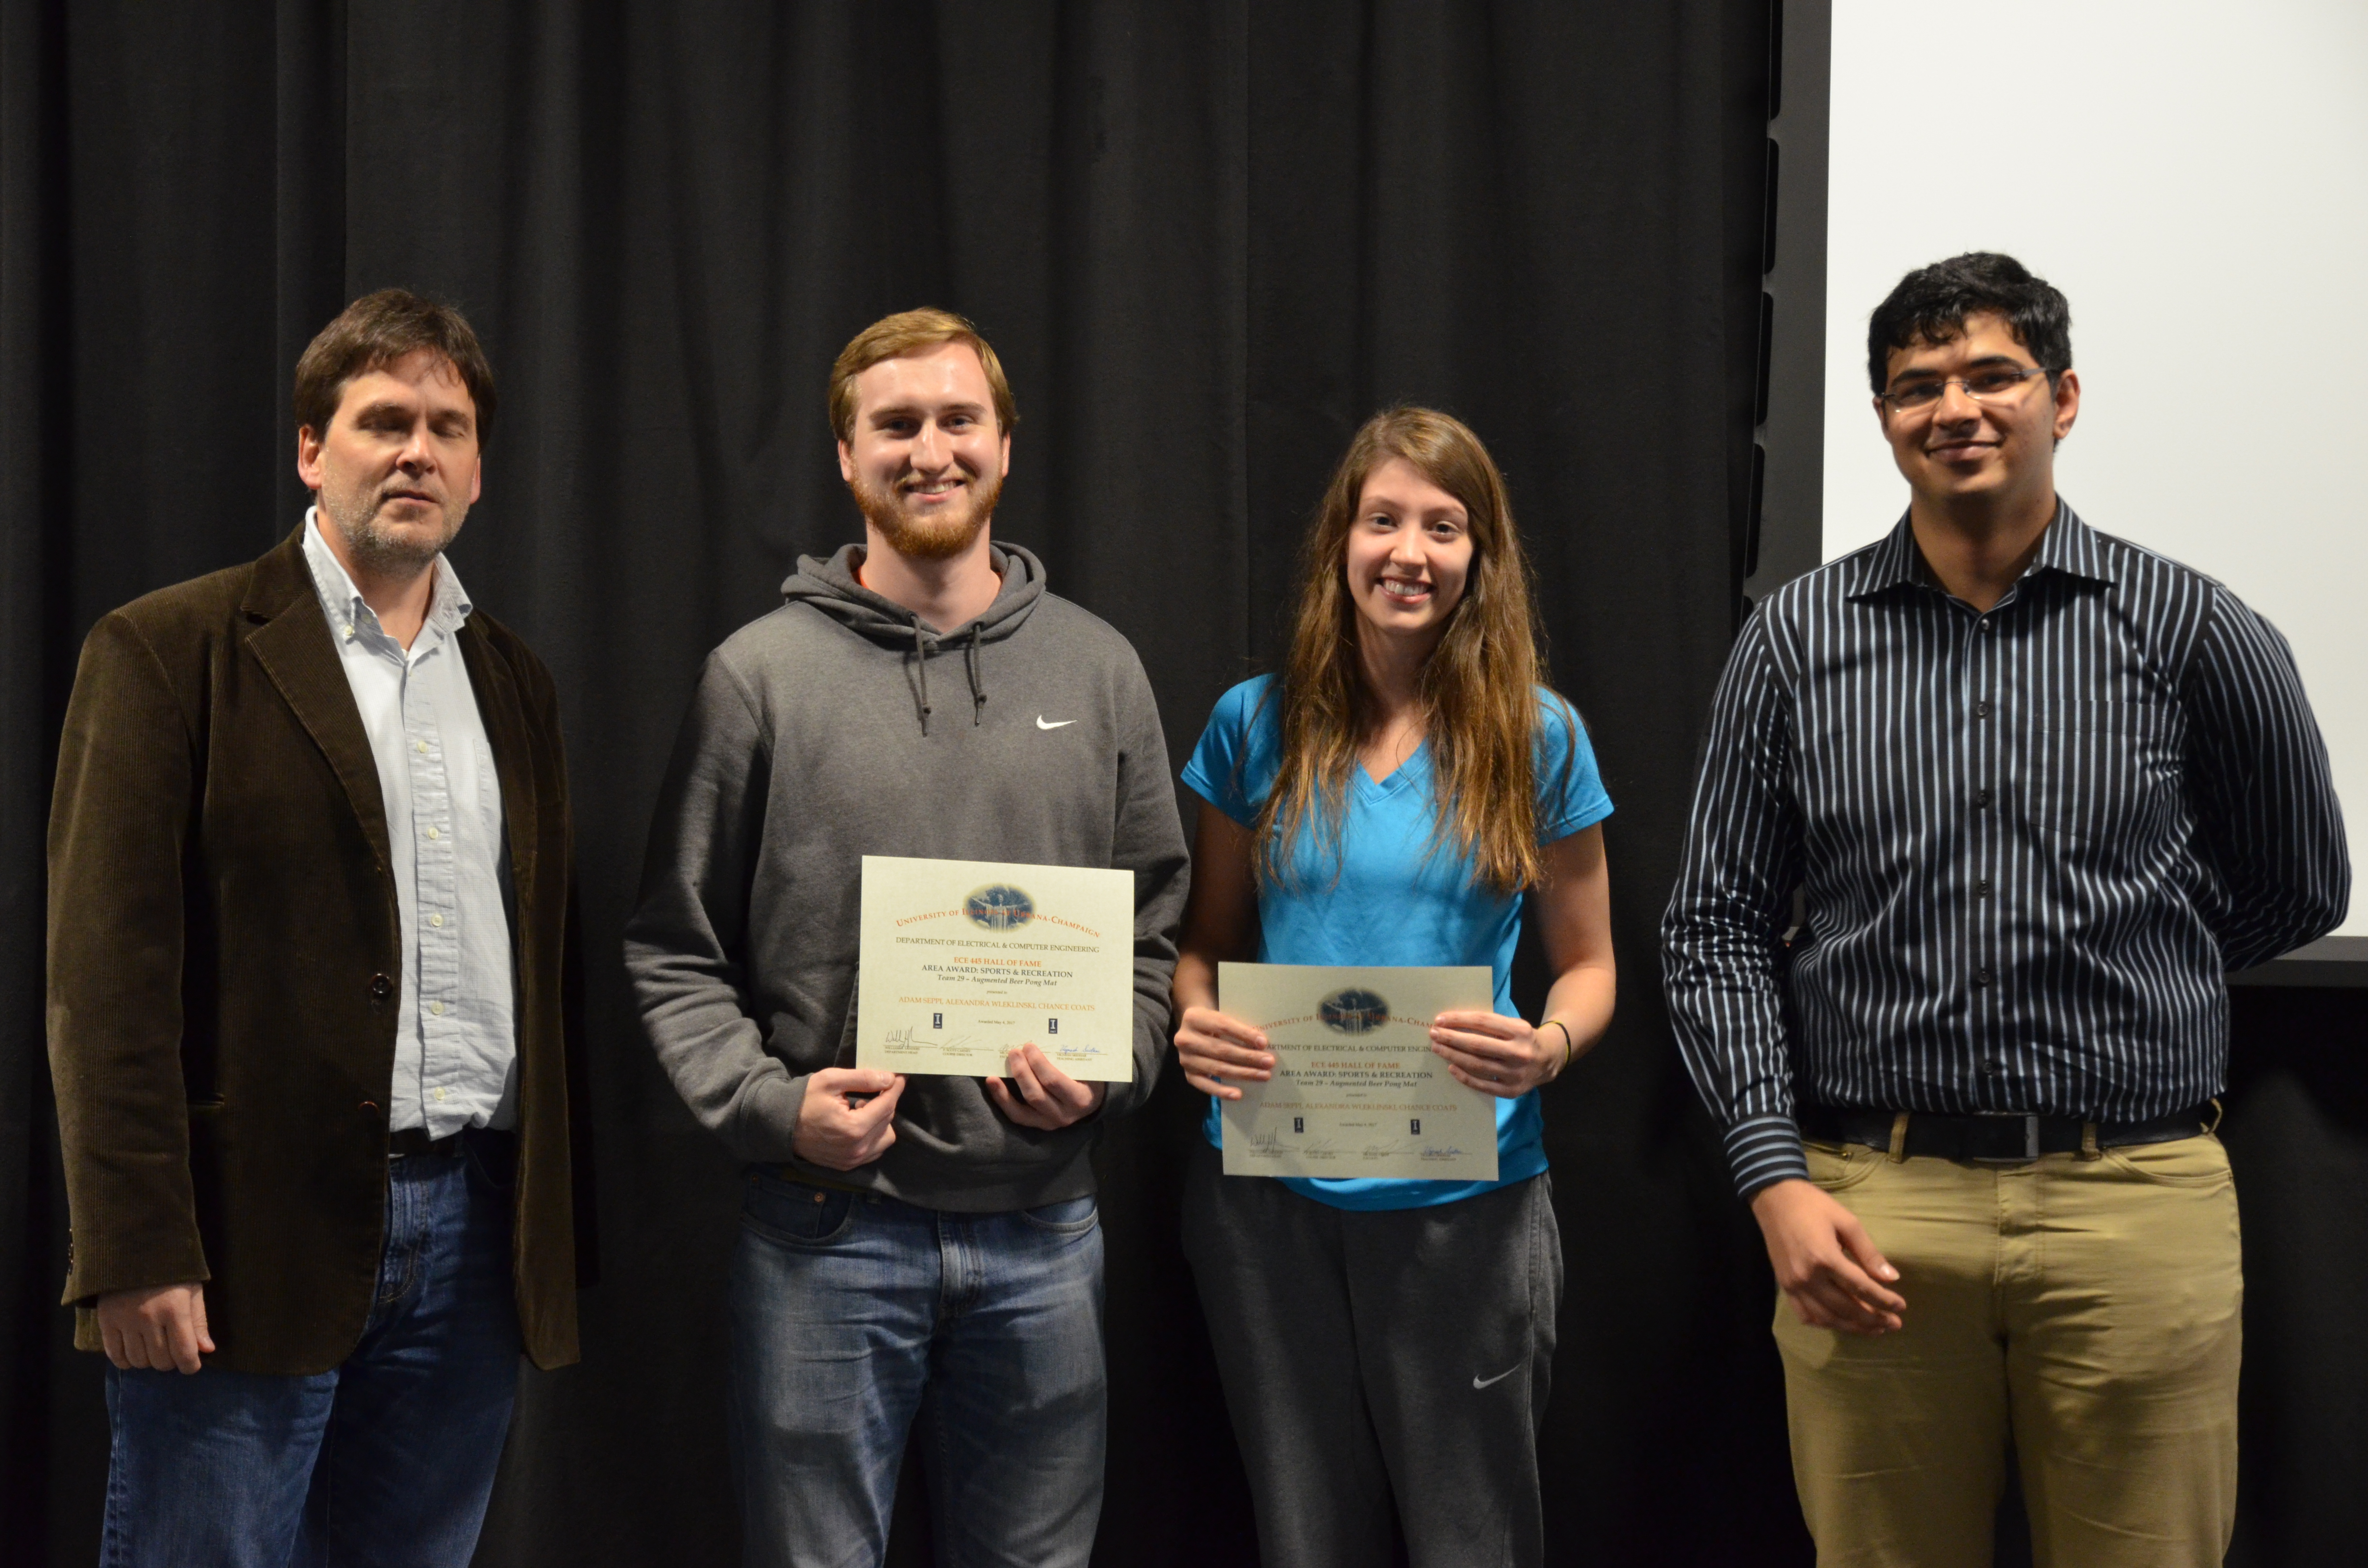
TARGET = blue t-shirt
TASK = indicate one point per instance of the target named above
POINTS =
(1395, 901)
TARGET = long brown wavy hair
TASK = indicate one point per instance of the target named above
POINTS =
(1480, 708)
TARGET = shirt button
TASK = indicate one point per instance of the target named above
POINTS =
(422, 745)
(1981, 798)
(439, 1094)
(1982, 888)
(1984, 625)
(437, 1007)
(433, 833)
(381, 987)
(1990, 1068)
(1981, 977)
(436, 920)
(1981, 711)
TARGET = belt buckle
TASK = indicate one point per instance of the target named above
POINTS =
(2030, 1120)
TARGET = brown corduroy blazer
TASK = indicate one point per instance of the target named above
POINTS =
(224, 968)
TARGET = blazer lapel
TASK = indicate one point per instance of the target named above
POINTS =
(501, 710)
(295, 649)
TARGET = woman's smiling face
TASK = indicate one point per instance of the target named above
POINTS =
(1409, 555)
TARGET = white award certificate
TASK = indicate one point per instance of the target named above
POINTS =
(964, 961)
(1356, 1090)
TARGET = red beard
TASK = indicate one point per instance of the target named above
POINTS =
(938, 538)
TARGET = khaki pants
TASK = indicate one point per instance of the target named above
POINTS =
(2091, 1308)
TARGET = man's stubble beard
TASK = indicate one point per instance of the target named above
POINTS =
(378, 551)
(938, 540)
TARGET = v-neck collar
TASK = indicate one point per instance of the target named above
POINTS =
(1382, 789)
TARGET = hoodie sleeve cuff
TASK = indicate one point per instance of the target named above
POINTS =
(766, 1124)
(1763, 1151)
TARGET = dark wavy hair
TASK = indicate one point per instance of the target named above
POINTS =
(1930, 304)
(382, 329)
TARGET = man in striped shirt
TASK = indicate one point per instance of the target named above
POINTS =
(2038, 790)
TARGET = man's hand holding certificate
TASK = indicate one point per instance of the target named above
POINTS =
(966, 961)
(1356, 1090)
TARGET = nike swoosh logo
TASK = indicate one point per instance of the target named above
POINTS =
(1479, 1382)
(1061, 725)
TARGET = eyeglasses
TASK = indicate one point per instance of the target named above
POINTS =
(1994, 384)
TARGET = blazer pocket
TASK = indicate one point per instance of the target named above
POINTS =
(209, 1133)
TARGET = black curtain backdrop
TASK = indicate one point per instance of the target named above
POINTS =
(1208, 239)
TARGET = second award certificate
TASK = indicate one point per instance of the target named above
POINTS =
(1356, 1090)
(964, 961)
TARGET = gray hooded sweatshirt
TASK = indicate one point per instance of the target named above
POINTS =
(840, 726)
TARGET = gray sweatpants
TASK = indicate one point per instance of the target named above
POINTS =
(1374, 1359)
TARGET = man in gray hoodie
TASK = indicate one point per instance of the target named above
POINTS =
(926, 1247)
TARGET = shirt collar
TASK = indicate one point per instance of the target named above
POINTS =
(447, 602)
(2069, 546)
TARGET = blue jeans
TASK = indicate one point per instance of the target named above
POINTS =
(853, 1316)
(385, 1461)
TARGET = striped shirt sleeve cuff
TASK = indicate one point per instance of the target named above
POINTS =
(1764, 1150)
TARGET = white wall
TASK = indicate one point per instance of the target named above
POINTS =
(2194, 178)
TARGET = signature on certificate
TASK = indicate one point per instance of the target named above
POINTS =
(909, 1038)
(1274, 1141)
(1414, 1146)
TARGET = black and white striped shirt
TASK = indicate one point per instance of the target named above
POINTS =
(2030, 842)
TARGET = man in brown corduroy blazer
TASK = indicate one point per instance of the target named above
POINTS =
(309, 928)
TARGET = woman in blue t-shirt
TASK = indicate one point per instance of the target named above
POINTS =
(1385, 1345)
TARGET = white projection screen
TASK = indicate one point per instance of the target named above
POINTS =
(2194, 178)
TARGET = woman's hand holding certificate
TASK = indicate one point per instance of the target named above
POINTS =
(1499, 1055)
(1213, 1048)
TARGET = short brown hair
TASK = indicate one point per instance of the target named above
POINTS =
(911, 332)
(377, 331)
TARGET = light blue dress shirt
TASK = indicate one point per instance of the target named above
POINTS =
(456, 1037)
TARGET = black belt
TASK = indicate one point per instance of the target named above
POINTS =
(2005, 1139)
(413, 1143)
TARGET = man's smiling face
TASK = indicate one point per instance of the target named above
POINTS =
(1957, 447)
(925, 459)
(398, 467)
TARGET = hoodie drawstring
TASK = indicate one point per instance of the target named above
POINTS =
(977, 678)
(921, 657)
(971, 666)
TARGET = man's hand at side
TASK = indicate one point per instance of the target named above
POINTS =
(1824, 1261)
(1048, 1098)
(840, 1136)
(155, 1328)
